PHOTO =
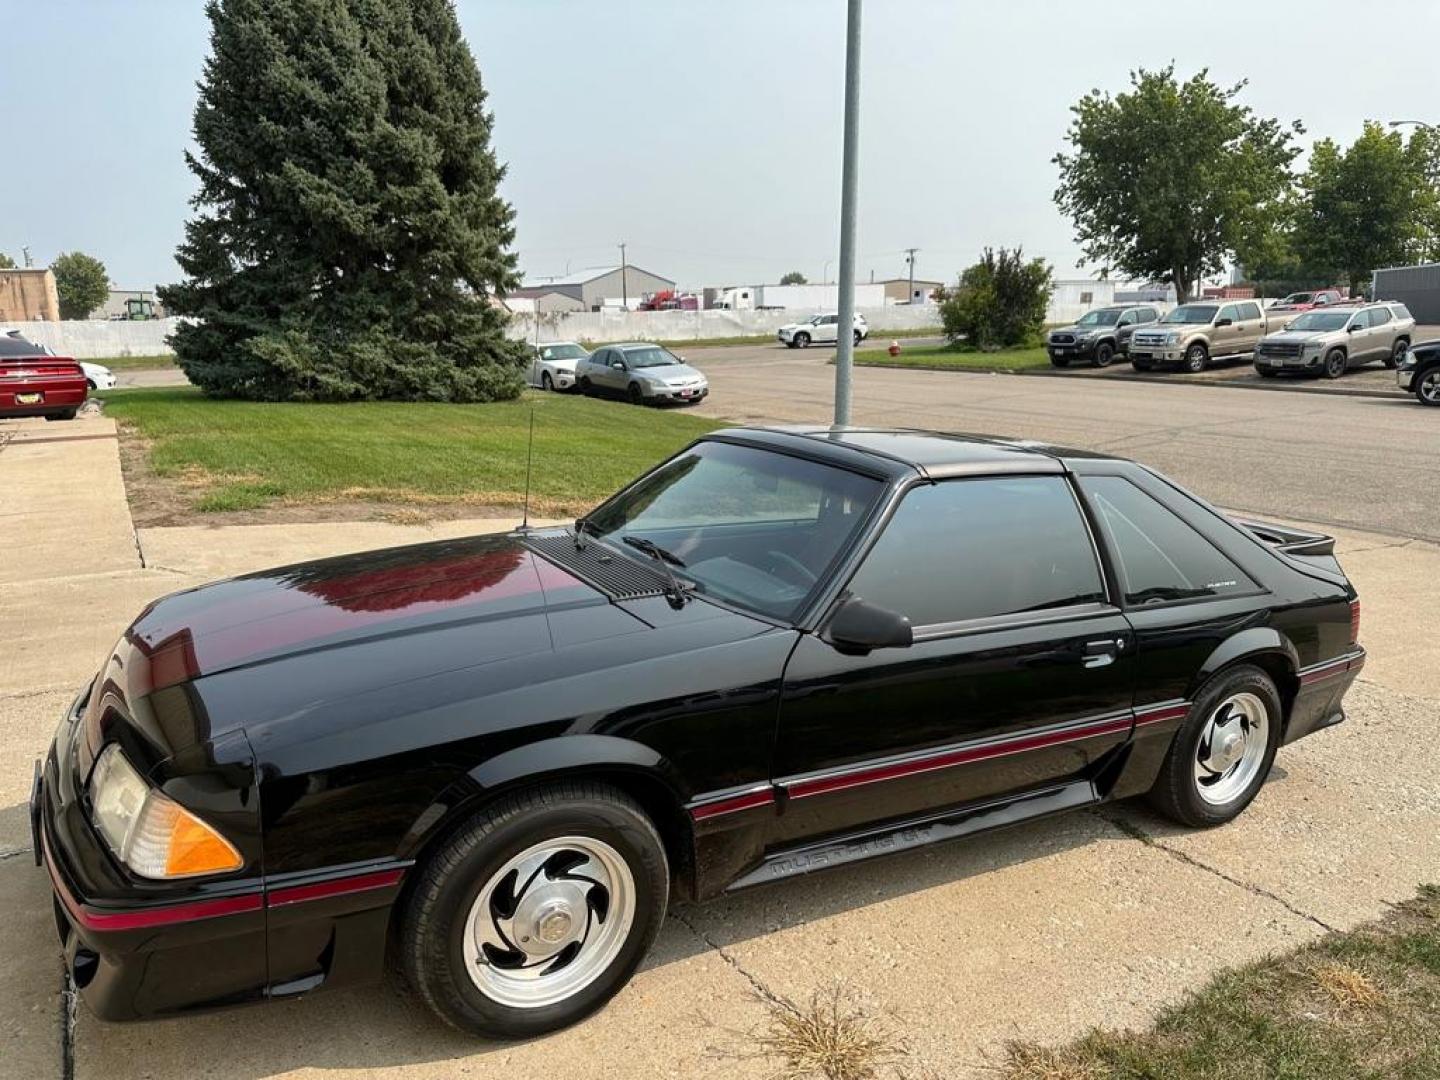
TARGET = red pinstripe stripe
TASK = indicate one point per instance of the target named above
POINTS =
(732, 805)
(319, 890)
(1156, 714)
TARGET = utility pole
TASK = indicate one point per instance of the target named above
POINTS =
(845, 331)
(624, 285)
(910, 258)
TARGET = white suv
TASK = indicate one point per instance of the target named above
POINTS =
(821, 329)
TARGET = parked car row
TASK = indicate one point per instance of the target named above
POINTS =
(35, 382)
(640, 371)
(1317, 333)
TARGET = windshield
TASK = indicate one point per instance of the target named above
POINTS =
(1321, 320)
(562, 352)
(1099, 318)
(1298, 298)
(651, 357)
(747, 526)
(1191, 313)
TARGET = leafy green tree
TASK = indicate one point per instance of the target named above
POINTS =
(6, 262)
(1361, 207)
(349, 231)
(1169, 180)
(999, 302)
(794, 277)
(80, 282)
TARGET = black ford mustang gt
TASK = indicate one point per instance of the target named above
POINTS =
(490, 762)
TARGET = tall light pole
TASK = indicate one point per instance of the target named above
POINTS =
(1417, 123)
(910, 258)
(624, 285)
(845, 331)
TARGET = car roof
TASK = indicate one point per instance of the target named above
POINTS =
(631, 345)
(894, 453)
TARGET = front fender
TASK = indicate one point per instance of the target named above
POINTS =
(562, 757)
(1254, 641)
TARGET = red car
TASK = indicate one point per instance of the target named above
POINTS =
(33, 383)
(1306, 301)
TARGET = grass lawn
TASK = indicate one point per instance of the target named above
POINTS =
(1360, 1004)
(767, 339)
(233, 455)
(135, 363)
(955, 358)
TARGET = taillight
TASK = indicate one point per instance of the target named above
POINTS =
(1354, 621)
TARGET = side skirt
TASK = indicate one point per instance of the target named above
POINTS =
(918, 832)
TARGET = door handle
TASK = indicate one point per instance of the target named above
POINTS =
(1102, 652)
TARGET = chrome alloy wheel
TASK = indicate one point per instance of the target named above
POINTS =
(1232, 748)
(549, 922)
(1430, 386)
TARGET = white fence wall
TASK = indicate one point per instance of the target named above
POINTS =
(698, 325)
(99, 340)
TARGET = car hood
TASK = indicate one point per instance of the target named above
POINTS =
(563, 364)
(672, 373)
(1304, 335)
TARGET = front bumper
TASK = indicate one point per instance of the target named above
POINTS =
(136, 948)
(1080, 350)
(1289, 363)
(1156, 354)
(1404, 378)
(687, 395)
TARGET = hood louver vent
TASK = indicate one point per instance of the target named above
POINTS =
(616, 576)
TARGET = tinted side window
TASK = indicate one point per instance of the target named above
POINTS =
(1250, 311)
(1158, 556)
(1231, 312)
(969, 549)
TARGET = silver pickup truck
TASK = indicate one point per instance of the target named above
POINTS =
(1194, 334)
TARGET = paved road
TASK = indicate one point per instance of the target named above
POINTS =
(1364, 462)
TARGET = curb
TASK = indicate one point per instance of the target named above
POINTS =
(1287, 386)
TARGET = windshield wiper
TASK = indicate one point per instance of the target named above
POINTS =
(677, 594)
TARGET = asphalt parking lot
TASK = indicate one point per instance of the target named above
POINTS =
(1036, 933)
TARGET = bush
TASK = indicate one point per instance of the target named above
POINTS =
(999, 302)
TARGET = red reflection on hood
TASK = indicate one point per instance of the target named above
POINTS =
(408, 583)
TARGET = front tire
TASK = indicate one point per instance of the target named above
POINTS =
(637, 395)
(802, 341)
(857, 337)
(536, 912)
(586, 387)
(1335, 363)
(1197, 356)
(546, 382)
(1059, 361)
(1141, 365)
(1427, 387)
(1221, 755)
(1104, 354)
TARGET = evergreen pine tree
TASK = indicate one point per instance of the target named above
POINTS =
(348, 223)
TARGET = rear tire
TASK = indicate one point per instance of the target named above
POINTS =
(1237, 714)
(1104, 354)
(68, 414)
(1335, 364)
(1397, 353)
(457, 910)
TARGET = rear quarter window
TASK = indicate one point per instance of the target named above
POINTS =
(1159, 558)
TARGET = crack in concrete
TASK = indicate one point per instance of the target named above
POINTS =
(69, 1000)
(755, 984)
(11, 854)
(1134, 831)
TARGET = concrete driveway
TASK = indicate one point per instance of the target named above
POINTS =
(1039, 932)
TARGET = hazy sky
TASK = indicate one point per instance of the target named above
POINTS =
(707, 136)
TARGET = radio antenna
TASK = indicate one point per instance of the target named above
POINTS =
(529, 461)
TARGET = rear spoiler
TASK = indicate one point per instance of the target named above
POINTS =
(1290, 541)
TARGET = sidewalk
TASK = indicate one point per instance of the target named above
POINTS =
(1038, 932)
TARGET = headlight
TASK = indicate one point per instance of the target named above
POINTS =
(148, 831)
(1172, 337)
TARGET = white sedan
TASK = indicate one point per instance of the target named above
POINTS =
(552, 364)
(98, 376)
(820, 329)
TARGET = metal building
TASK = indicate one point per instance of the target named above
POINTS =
(1417, 287)
(598, 288)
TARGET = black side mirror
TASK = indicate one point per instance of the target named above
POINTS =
(1351, 328)
(859, 626)
(1223, 322)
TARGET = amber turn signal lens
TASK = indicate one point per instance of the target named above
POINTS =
(195, 848)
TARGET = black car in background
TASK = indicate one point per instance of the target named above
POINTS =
(1419, 372)
(1100, 335)
(490, 762)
